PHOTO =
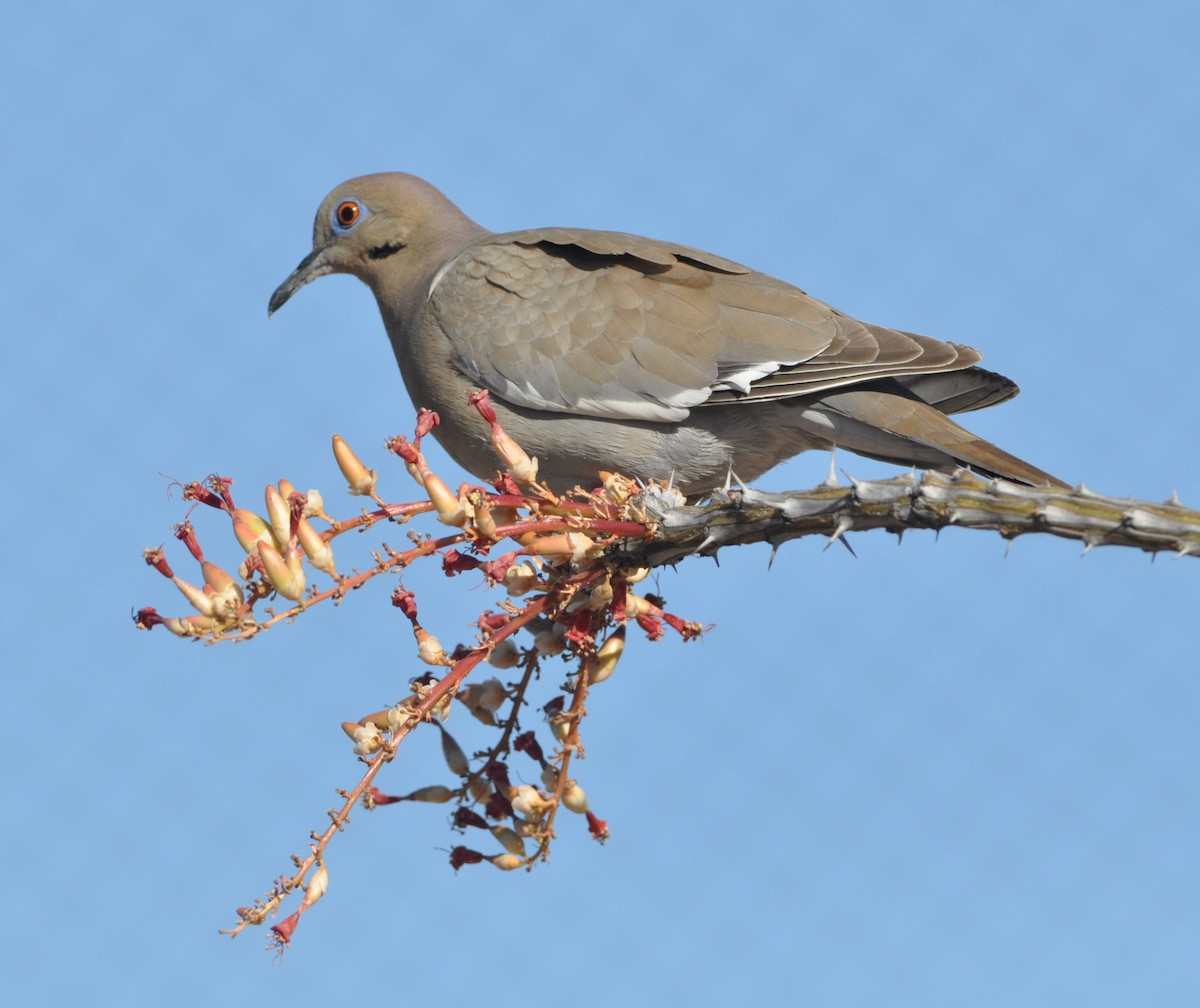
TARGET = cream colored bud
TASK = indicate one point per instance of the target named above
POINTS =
(250, 529)
(361, 480)
(550, 778)
(529, 803)
(506, 862)
(601, 595)
(367, 738)
(605, 662)
(285, 576)
(226, 593)
(318, 551)
(633, 577)
(523, 468)
(317, 886)
(429, 649)
(314, 506)
(573, 798)
(279, 514)
(485, 521)
(450, 510)
(399, 716)
(379, 719)
(200, 600)
(520, 578)
(560, 726)
(434, 794)
(215, 576)
(190, 626)
(574, 546)
(635, 606)
(509, 840)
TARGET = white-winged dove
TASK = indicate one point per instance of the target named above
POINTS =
(606, 351)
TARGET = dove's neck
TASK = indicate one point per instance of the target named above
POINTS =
(402, 283)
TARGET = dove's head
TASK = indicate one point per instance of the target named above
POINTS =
(393, 231)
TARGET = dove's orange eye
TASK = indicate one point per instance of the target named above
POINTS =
(347, 213)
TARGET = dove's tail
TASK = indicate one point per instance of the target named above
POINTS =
(899, 429)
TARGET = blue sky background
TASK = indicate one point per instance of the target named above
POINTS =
(932, 775)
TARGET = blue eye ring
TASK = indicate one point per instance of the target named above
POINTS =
(346, 214)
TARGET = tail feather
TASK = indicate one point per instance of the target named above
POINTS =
(895, 428)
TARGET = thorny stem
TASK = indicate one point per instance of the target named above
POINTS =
(421, 712)
(570, 746)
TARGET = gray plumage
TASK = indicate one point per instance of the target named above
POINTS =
(607, 351)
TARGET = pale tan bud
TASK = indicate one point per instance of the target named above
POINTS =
(250, 529)
(361, 480)
(601, 595)
(574, 546)
(317, 886)
(434, 794)
(523, 468)
(318, 551)
(286, 577)
(550, 778)
(379, 719)
(549, 643)
(450, 509)
(635, 605)
(492, 694)
(200, 600)
(505, 655)
(605, 662)
(279, 514)
(227, 594)
(573, 798)
(190, 626)
(485, 521)
(560, 726)
(455, 758)
(509, 840)
(506, 862)
(633, 577)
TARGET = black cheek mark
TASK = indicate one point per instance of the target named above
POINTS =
(383, 251)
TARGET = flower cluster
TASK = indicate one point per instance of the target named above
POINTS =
(562, 595)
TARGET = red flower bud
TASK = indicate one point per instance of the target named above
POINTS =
(406, 602)
(427, 419)
(186, 534)
(464, 817)
(454, 562)
(528, 744)
(157, 559)
(146, 619)
(479, 399)
(497, 773)
(597, 827)
(463, 856)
